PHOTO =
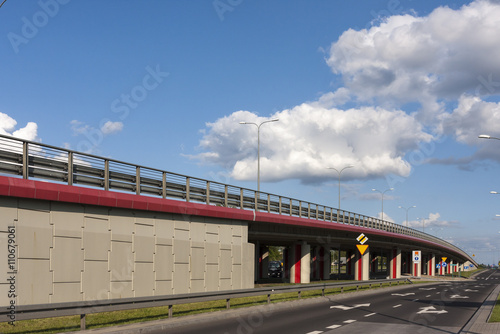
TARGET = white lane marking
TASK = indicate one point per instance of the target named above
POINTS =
(469, 290)
(345, 308)
(458, 296)
(315, 332)
(349, 321)
(431, 309)
(414, 300)
(427, 296)
(397, 305)
(403, 294)
(369, 315)
(427, 289)
(334, 326)
(437, 293)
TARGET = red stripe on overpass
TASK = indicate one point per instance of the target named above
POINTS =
(40, 190)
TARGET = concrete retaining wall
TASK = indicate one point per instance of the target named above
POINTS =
(73, 252)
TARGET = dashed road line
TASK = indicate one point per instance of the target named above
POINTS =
(349, 321)
(334, 326)
(315, 332)
(414, 300)
(397, 305)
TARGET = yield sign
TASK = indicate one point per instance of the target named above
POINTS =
(444, 259)
(362, 248)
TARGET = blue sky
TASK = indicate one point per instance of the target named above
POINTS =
(398, 89)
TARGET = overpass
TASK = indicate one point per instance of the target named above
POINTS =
(91, 228)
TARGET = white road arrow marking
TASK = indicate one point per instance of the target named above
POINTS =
(431, 309)
(458, 296)
(403, 294)
(346, 308)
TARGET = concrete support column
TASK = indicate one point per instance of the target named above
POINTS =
(327, 263)
(362, 266)
(263, 261)
(258, 261)
(301, 265)
(431, 265)
(416, 269)
(315, 259)
(450, 265)
(395, 263)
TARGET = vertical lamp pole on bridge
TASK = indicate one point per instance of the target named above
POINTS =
(339, 177)
(383, 192)
(258, 147)
(411, 207)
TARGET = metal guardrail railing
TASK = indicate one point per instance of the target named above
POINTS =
(82, 308)
(32, 160)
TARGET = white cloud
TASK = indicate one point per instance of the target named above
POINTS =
(111, 127)
(8, 125)
(422, 59)
(431, 223)
(309, 138)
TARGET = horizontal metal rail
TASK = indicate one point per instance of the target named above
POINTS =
(82, 308)
(32, 160)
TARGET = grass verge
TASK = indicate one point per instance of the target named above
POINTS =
(106, 319)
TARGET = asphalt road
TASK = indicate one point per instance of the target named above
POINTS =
(418, 308)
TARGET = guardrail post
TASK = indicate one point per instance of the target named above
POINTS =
(106, 174)
(268, 203)
(300, 209)
(164, 185)
(138, 180)
(228, 303)
(70, 168)
(187, 189)
(257, 201)
(225, 195)
(170, 311)
(300, 294)
(269, 298)
(323, 292)
(309, 210)
(208, 193)
(25, 160)
(291, 207)
(341, 289)
(241, 198)
(279, 206)
(82, 322)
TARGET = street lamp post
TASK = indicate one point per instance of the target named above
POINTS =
(383, 192)
(258, 147)
(339, 177)
(411, 207)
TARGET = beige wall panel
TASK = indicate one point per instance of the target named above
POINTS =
(212, 248)
(66, 260)
(181, 222)
(225, 264)
(212, 278)
(164, 262)
(34, 281)
(198, 263)
(145, 218)
(4, 294)
(144, 243)
(248, 268)
(236, 277)
(34, 234)
(121, 261)
(143, 280)
(212, 226)
(8, 213)
(96, 239)
(164, 230)
(197, 235)
(237, 254)
(67, 219)
(163, 288)
(181, 278)
(121, 290)
(244, 232)
(4, 260)
(225, 236)
(181, 247)
(95, 280)
(225, 284)
(122, 224)
(33, 204)
(197, 285)
(98, 212)
(237, 229)
(66, 292)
